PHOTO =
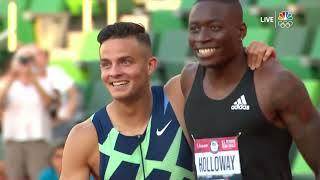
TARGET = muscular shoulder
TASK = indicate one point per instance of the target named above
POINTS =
(278, 83)
(82, 138)
(187, 76)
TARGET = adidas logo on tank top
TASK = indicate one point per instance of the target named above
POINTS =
(240, 104)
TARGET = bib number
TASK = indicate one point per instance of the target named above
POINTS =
(217, 158)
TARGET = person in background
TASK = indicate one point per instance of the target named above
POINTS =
(65, 91)
(55, 160)
(26, 123)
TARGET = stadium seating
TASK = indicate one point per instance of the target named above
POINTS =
(294, 64)
(125, 6)
(165, 21)
(97, 98)
(173, 44)
(273, 4)
(75, 7)
(21, 5)
(25, 30)
(250, 19)
(261, 34)
(290, 42)
(186, 5)
(173, 51)
(47, 7)
(89, 49)
(315, 48)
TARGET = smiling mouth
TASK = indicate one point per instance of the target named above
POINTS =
(119, 83)
(205, 52)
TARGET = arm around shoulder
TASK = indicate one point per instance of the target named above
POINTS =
(174, 93)
(80, 143)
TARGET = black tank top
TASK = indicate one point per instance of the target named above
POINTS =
(263, 148)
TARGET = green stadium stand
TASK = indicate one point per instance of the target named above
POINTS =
(312, 15)
(75, 7)
(246, 3)
(308, 3)
(186, 5)
(89, 48)
(313, 88)
(250, 19)
(165, 21)
(173, 52)
(173, 44)
(21, 5)
(315, 49)
(3, 25)
(98, 97)
(93, 70)
(294, 64)
(290, 42)
(273, 4)
(261, 34)
(26, 33)
(125, 6)
(25, 29)
(47, 7)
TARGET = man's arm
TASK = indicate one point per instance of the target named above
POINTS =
(291, 102)
(72, 102)
(174, 93)
(79, 146)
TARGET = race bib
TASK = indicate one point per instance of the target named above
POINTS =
(217, 158)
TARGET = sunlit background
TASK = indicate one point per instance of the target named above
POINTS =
(68, 30)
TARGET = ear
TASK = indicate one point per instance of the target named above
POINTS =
(243, 31)
(152, 65)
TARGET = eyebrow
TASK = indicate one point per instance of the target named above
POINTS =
(119, 58)
(207, 21)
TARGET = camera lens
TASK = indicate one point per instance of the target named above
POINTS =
(24, 60)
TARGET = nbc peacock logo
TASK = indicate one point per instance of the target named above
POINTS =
(285, 19)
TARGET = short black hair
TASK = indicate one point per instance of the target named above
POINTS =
(123, 30)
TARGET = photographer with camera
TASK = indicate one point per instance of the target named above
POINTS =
(26, 123)
(63, 109)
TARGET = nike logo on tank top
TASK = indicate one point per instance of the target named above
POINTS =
(160, 153)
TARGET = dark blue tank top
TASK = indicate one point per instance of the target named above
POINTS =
(161, 153)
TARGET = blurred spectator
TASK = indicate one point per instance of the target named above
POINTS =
(55, 164)
(26, 124)
(64, 88)
(53, 171)
(3, 175)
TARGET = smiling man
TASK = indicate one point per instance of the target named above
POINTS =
(137, 135)
(251, 115)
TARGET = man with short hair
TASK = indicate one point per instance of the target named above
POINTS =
(137, 135)
(246, 119)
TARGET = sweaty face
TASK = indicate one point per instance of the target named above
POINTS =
(214, 32)
(126, 66)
